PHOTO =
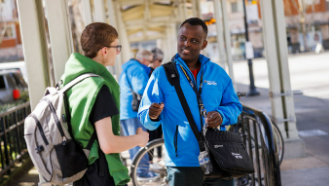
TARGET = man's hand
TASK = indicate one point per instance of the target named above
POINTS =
(155, 110)
(143, 137)
(214, 119)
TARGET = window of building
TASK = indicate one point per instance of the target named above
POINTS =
(10, 31)
(234, 7)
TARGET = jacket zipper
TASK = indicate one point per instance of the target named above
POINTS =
(175, 140)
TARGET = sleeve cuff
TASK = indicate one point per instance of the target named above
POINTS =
(155, 120)
(224, 120)
(152, 124)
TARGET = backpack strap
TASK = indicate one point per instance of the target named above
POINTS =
(91, 141)
(173, 78)
(77, 80)
(67, 87)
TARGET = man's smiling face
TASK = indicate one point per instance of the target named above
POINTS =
(191, 40)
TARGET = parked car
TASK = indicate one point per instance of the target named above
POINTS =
(18, 65)
(13, 87)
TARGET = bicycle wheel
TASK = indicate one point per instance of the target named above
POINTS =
(156, 167)
(278, 141)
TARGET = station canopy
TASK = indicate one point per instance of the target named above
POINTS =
(147, 19)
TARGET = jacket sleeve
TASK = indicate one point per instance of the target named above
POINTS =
(230, 107)
(138, 79)
(152, 94)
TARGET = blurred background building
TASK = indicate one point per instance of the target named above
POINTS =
(307, 26)
(10, 38)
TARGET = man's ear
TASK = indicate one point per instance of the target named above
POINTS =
(204, 44)
(104, 51)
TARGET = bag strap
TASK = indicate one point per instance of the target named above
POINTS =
(173, 78)
(67, 87)
(77, 80)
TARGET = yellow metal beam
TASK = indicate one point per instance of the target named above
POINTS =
(133, 13)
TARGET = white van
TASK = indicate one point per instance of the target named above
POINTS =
(19, 65)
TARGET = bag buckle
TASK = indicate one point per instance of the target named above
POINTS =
(39, 149)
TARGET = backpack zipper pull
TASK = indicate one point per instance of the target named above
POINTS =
(64, 140)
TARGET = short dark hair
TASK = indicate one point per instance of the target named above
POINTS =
(96, 36)
(196, 21)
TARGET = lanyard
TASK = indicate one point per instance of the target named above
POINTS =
(197, 92)
(202, 110)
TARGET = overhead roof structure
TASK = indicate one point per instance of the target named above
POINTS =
(148, 19)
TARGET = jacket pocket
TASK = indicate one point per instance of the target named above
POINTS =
(39, 153)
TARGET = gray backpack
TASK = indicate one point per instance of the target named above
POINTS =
(58, 158)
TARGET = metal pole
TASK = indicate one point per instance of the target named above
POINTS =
(60, 34)
(112, 20)
(87, 12)
(5, 143)
(220, 39)
(123, 37)
(227, 39)
(35, 47)
(252, 88)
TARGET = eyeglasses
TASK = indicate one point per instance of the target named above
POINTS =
(159, 60)
(119, 47)
(149, 61)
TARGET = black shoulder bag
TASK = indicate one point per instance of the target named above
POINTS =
(228, 154)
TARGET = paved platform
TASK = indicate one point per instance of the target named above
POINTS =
(311, 113)
(309, 74)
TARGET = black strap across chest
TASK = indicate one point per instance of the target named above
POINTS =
(173, 78)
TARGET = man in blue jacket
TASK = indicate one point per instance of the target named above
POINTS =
(134, 77)
(160, 104)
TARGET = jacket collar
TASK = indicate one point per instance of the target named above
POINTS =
(203, 60)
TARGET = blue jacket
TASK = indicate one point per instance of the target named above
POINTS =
(138, 75)
(217, 95)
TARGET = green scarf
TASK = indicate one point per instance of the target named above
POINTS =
(81, 98)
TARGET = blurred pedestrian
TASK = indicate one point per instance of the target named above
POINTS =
(157, 133)
(133, 80)
(157, 59)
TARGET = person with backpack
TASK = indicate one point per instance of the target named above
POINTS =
(94, 104)
(203, 83)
